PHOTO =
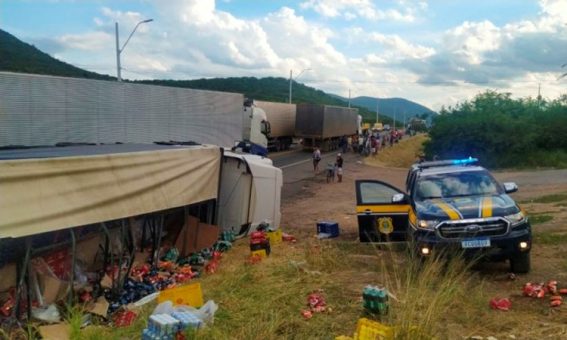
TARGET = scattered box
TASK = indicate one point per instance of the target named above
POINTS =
(328, 227)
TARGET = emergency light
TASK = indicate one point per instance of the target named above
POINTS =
(466, 161)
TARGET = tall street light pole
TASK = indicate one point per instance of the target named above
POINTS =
(119, 50)
(291, 79)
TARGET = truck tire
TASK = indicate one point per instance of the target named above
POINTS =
(520, 263)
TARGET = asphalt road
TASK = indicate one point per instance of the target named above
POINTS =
(297, 168)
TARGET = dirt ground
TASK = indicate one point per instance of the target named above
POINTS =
(528, 318)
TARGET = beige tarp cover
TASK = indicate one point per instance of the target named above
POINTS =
(47, 194)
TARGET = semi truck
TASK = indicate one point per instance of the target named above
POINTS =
(281, 120)
(323, 125)
(46, 110)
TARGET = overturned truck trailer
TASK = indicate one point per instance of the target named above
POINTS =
(58, 197)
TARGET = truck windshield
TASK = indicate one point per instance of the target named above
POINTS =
(457, 184)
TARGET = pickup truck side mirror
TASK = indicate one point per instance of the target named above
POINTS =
(399, 198)
(510, 187)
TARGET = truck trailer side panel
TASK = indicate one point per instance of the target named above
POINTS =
(281, 117)
(323, 125)
(44, 110)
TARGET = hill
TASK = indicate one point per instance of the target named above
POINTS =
(394, 106)
(18, 56)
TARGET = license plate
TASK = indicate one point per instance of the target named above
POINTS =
(476, 243)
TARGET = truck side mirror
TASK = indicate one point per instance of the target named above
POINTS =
(510, 187)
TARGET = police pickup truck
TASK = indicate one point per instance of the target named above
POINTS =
(447, 204)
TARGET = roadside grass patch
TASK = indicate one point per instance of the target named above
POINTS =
(553, 198)
(539, 218)
(550, 238)
(265, 300)
(401, 155)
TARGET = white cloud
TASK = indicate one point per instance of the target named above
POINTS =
(90, 41)
(366, 9)
(397, 47)
(193, 38)
(473, 40)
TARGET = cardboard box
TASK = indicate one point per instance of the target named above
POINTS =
(195, 236)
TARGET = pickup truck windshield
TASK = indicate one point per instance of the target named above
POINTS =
(457, 184)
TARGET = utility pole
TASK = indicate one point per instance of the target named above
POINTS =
(120, 50)
(539, 96)
(395, 111)
(290, 80)
(376, 109)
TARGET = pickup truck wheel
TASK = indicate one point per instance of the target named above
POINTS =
(520, 263)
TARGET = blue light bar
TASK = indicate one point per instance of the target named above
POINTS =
(469, 160)
(466, 161)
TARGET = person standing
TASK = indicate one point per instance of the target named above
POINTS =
(316, 159)
(339, 166)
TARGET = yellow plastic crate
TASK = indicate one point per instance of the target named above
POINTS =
(275, 237)
(371, 330)
(190, 295)
(259, 252)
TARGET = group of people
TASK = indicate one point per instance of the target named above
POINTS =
(332, 168)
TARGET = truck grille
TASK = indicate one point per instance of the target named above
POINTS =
(473, 228)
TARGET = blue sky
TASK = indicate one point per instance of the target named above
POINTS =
(433, 52)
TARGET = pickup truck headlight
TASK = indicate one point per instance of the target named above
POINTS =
(427, 224)
(516, 219)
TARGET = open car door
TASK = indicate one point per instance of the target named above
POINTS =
(380, 219)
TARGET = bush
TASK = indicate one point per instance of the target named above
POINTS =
(502, 131)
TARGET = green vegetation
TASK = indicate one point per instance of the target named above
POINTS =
(400, 107)
(18, 56)
(264, 301)
(540, 218)
(550, 238)
(502, 131)
(549, 198)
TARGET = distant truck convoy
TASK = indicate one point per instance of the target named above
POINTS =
(46, 110)
(324, 125)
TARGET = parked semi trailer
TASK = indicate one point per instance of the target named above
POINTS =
(281, 118)
(324, 125)
(46, 110)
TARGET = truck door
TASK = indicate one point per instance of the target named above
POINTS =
(379, 218)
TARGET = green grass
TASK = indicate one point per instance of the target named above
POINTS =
(440, 297)
(548, 198)
(550, 238)
(540, 218)
(265, 300)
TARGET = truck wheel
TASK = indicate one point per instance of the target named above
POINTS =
(520, 263)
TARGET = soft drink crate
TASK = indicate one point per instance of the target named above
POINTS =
(328, 227)
(275, 236)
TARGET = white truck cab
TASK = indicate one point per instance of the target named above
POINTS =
(256, 130)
